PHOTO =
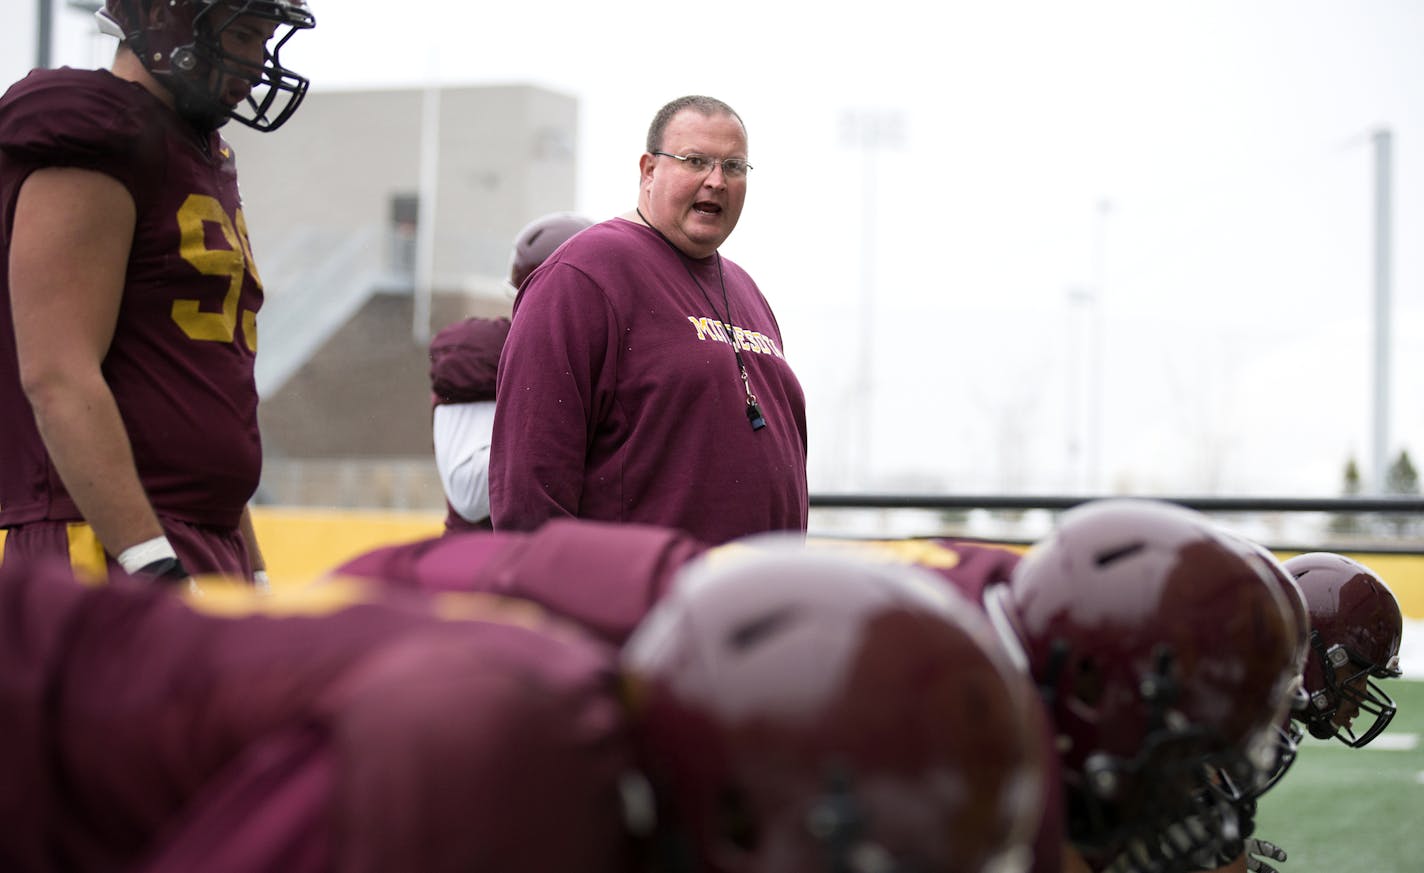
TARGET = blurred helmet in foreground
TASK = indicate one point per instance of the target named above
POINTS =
(1287, 733)
(1166, 653)
(803, 711)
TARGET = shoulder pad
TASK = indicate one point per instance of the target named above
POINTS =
(67, 117)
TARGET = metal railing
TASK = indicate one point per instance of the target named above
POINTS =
(1391, 504)
(1388, 524)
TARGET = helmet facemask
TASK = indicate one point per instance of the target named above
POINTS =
(1285, 744)
(1286, 748)
(1165, 653)
(1348, 681)
(1173, 803)
(1355, 632)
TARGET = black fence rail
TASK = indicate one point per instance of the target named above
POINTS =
(1380, 524)
(1345, 505)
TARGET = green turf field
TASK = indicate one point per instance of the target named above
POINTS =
(1341, 810)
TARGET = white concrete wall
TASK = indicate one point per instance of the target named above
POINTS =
(506, 155)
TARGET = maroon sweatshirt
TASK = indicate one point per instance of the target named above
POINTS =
(620, 400)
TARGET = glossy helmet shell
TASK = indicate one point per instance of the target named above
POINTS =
(1294, 600)
(538, 239)
(1287, 733)
(180, 43)
(1355, 632)
(1165, 653)
(800, 711)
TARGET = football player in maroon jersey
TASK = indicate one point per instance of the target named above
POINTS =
(1356, 628)
(608, 577)
(776, 711)
(1352, 631)
(1152, 697)
(1117, 616)
(364, 729)
(128, 291)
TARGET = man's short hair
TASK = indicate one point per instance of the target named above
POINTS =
(708, 106)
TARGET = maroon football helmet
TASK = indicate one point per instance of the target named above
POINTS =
(1165, 653)
(181, 43)
(1294, 600)
(1288, 734)
(538, 240)
(800, 711)
(1355, 631)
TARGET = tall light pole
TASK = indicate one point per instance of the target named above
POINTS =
(1080, 337)
(1095, 347)
(44, 33)
(44, 27)
(1383, 141)
(426, 230)
(1085, 371)
(423, 289)
(870, 131)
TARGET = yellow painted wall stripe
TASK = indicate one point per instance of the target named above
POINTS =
(303, 544)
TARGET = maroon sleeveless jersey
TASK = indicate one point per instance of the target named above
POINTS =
(180, 364)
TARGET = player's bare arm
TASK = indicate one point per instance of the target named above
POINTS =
(72, 233)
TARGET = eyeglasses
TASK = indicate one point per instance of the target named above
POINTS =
(732, 168)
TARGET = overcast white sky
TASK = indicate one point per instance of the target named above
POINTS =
(1205, 167)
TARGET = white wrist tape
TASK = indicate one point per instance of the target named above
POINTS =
(135, 558)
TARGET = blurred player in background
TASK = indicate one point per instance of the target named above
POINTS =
(128, 292)
(848, 717)
(464, 358)
(538, 240)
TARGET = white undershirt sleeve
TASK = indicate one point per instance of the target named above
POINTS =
(462, 447)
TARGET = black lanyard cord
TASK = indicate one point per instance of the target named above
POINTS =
(754, 414)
